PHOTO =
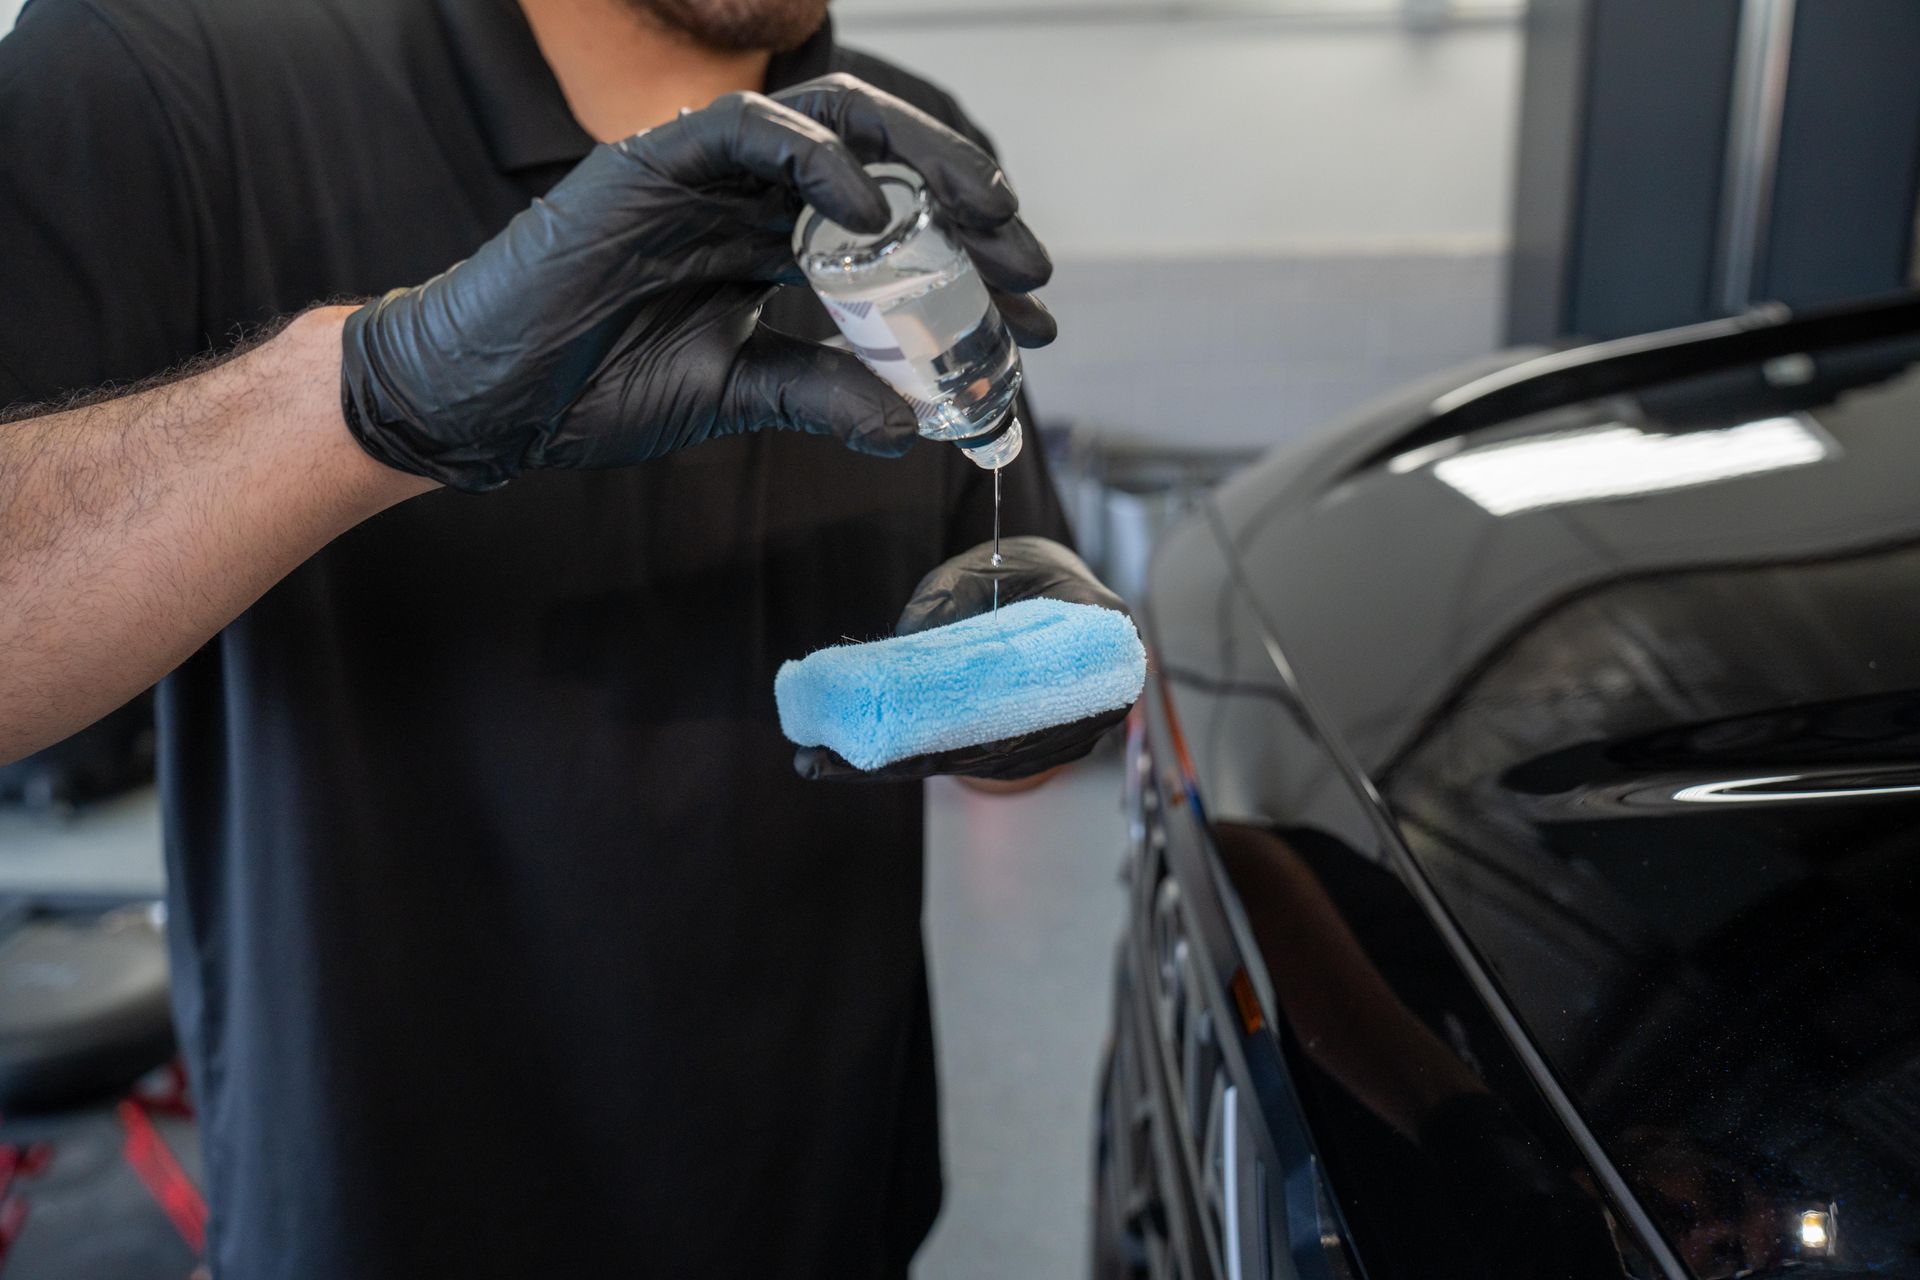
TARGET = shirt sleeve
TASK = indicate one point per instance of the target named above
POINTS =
(98, 257)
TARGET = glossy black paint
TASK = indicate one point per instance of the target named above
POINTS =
(1570, 854)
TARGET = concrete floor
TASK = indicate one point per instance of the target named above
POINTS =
(1023, 907)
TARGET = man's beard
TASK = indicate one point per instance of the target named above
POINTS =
(737, 26)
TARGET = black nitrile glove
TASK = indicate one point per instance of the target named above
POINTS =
(618, 318)
(1030, 568)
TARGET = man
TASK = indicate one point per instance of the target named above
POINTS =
(507, 939)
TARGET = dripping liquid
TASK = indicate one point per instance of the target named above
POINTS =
(996, 542)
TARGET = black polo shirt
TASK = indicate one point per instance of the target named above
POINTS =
(506, 941)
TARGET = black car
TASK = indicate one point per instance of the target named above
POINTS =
(1525, 866)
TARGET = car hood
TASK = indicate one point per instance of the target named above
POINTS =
(1637, 681)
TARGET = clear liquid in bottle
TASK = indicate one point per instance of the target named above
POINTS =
(910, 304)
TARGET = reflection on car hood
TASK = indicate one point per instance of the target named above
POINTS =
(1645, 706)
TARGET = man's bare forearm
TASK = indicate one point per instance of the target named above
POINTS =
(133, 529)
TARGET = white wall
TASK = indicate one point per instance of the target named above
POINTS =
(1262, 211)
(1216, 134)
(8, 8)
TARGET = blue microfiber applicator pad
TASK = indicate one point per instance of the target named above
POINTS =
(1037, 664)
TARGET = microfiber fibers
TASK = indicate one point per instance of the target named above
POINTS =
(1036, 664)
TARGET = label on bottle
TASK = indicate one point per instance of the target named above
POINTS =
(874, 342)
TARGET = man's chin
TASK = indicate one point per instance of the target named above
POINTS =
(739, 26)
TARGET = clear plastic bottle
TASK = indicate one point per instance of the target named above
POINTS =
(912, 307)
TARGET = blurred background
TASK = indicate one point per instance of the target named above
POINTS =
(1263, 213)
(1273, 211)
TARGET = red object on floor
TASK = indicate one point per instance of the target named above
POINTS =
(16, 1162)
(163, 1092)
(154, 1163)
(13, 1216)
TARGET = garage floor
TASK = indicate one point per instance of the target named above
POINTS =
(1023, 910)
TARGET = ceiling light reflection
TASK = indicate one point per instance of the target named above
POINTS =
(1764, 791)
(1616, 460)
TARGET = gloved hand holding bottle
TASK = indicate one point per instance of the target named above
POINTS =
(618, 318)
(615, 321)
(1031, 568)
